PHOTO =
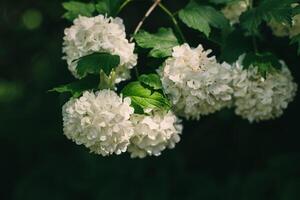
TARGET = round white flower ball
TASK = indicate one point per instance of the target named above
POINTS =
(257, 98)
(233, 10)
(153, 133)
(195, 83)
(99, 34)
(100, 121)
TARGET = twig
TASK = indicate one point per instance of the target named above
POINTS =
(149, 11)
(165, 9)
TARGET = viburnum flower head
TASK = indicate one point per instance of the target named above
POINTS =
(99, 34)
(153, 133)
(257, 98)
(284, 29)
(100, 121)
(279, 29)
(196, 84)
(233, 10)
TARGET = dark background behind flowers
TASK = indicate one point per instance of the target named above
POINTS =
(220, 157)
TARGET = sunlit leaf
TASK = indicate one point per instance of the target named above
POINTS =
(160, 43)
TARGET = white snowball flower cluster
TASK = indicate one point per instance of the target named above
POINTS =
(257, 98)
(196, 84)
(233, 10)
(154, 133)
(282, 30)
(99, 34)
(100, 121)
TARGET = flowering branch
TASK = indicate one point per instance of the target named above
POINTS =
(190, 80)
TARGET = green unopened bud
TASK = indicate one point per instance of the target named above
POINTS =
(107, 82)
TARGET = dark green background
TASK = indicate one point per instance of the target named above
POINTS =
(220, 157)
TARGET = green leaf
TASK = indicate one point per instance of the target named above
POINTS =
(222, 1)
(296, 10)
(277, 10)
(94, 63)
(161, 42)
(202, 18)
(265, 62)
(152, 80)
(109, 7)
(234, 45)
(78, 87)
(74, 9)
(250, 20)
(143, 98)
(296, 40)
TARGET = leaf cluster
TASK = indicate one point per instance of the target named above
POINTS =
(76, 8)
(146, 93)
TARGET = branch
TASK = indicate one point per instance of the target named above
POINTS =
(149, 11)
(165, 9)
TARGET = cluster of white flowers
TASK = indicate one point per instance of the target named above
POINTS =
(194, 81)
(282, 30)
(257, 98)
(196, 84)
(100, 121)
(154, 133)
(233, 10)
(99, 34)
(105, 123)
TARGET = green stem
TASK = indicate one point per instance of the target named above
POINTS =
(123, 5)
(254, 44)
(136, 72)
(168, 12)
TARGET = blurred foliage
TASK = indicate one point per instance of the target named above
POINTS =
(220, 157)
(32, 19)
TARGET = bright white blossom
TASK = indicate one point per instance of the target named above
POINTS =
(196, 84)
(99, 34)
(233, 10)
(154, 133)
(100, 121)
(257, 98)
